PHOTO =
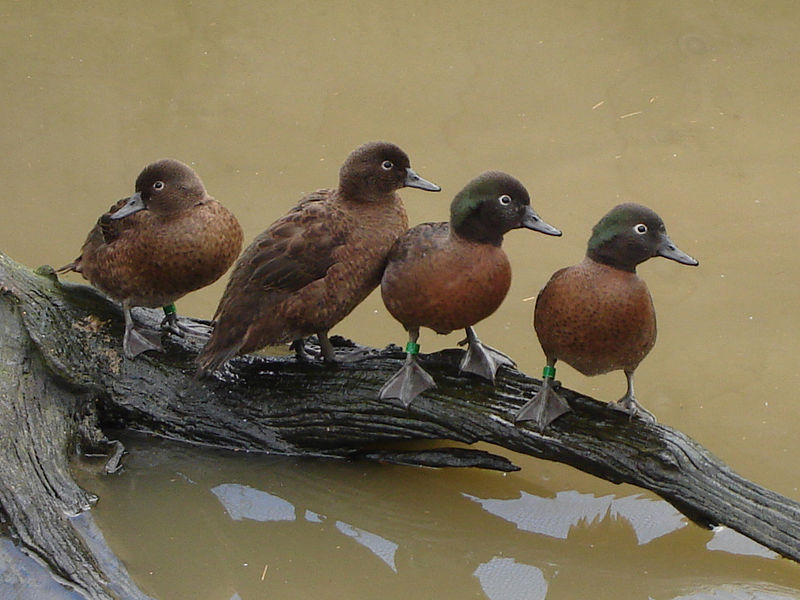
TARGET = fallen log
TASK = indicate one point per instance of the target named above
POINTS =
(63, 378)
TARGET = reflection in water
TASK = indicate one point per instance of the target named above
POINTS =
(91, 535)
(22, 577)
(506, 579)
(243, 502)
(275, 527)
(313, 517)
(650, 519)
(555, 517)
(380, 547)
(734, 542)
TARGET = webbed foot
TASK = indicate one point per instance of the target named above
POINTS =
(137, 341)
(630, 406)
(408, 383)
(181, 327)
(327, 353)
(544, 408)
(482, 360)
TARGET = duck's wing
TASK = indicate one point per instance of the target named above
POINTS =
(296, 250)
(106, 231)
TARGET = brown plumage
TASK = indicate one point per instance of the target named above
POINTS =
(448, 276)
(598, 316)
(168, 239)
(444, 281)
(313, 266)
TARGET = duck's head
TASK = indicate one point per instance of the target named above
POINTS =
(492, 204)
(630, 234)
(163, 187)
(377, 169)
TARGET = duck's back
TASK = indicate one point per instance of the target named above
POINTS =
(595, 318)
(307, 271)
(442, 281)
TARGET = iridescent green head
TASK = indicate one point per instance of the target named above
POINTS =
(630, 234)
(492, 204)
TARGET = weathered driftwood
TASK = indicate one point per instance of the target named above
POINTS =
(63, 373)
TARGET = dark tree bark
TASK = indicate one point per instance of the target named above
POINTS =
(62, 373)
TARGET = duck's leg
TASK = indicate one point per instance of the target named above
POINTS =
(481, 359)
(327, 352)
(628, 403)
(411, 380)
(300, 352)
(325, 347)
(181, 327)
(136, 340)
(546, 406)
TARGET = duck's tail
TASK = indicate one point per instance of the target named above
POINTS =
(220, 348)
(75, 265)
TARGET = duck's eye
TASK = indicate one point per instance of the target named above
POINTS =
(505, 199)
(387, 165)
(158, 186)
(641, 228)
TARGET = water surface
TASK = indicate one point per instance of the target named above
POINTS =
(687, 107)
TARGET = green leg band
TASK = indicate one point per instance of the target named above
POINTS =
(549, 371)
(170, 309)
(412, 348)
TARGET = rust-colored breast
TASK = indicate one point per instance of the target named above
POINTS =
(595, 318)
(443, 282)
(150, 260)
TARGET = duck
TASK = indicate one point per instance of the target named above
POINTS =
(598, 315)
(152, 248)
(449, 276)
(310, 268)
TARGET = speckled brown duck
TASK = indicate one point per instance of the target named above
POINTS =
(168, 239)
(313, 266)
(598, 316)
(448, 276)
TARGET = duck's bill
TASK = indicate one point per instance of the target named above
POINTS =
(533, 221)
(132, 205)
(415, 181)
(669, 250)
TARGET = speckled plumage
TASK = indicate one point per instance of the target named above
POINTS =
(595, 318)
(448, 276)
(313, 266)
(176, 240)
(598, 316)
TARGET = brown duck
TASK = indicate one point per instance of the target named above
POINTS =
(168, 239)
(448, 276)
(598, 316)
(313, 266)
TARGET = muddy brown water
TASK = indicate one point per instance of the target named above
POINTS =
(687, 107)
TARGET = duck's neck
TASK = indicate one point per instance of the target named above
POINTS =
(474, 230)
(613, 257)
(358, 195)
